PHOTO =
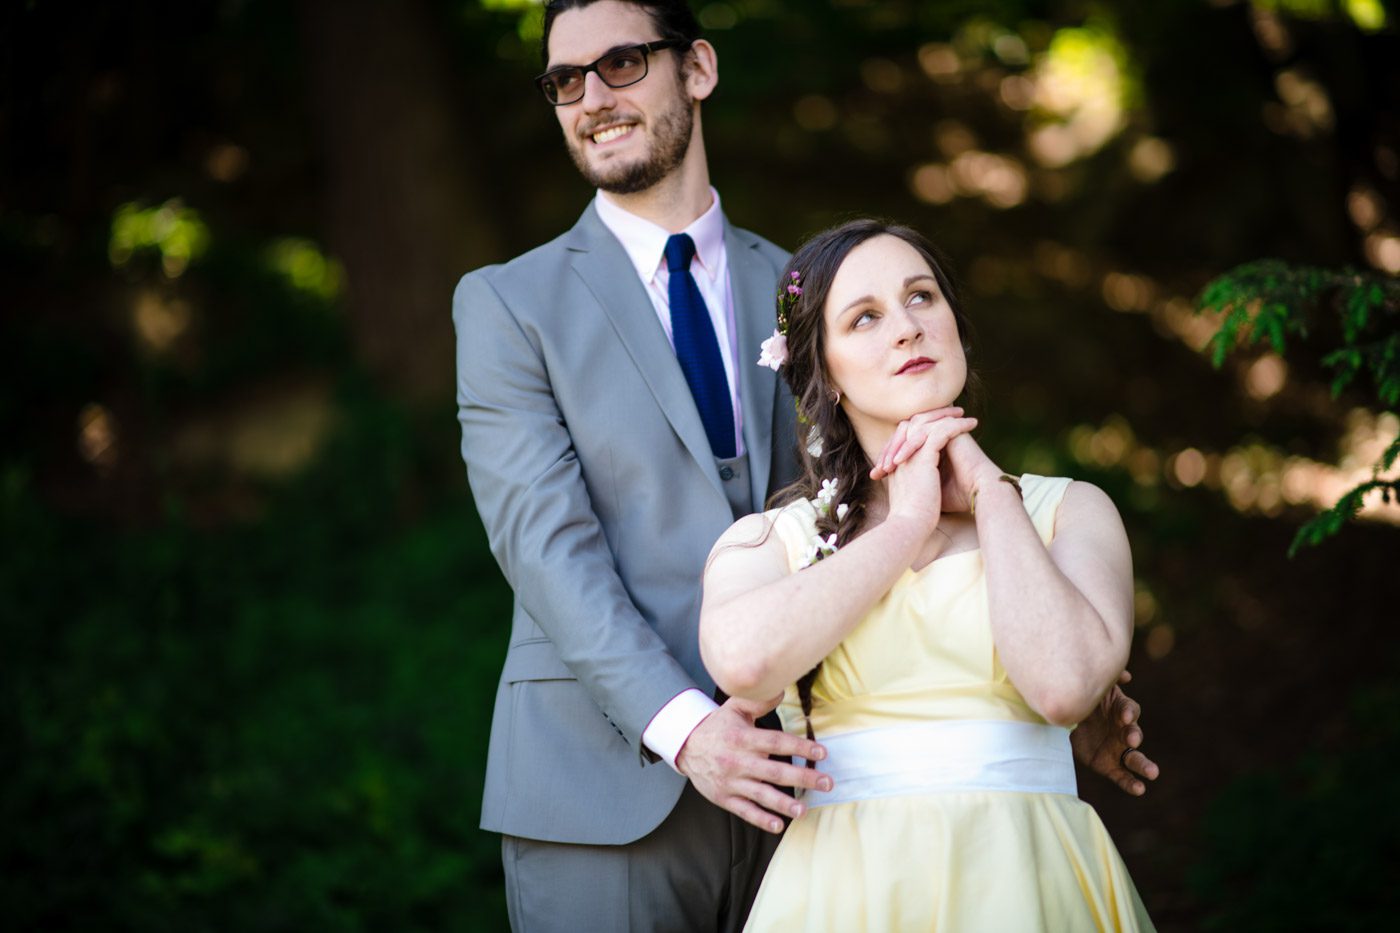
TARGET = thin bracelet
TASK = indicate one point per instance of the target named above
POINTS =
(1005, 478)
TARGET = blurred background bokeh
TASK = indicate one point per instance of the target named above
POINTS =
(251, 628)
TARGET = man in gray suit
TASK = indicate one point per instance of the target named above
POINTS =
(614, 423)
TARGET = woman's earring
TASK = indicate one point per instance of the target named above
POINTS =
(835, 396)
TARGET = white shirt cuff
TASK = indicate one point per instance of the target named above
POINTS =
(674, 722)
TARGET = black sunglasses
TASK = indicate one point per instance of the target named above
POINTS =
(618, 68)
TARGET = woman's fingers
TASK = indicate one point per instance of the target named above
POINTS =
(925, 417)
(949, 428)
(909, 436)
(878, 469)
(938, 434)
(912, 434)
(913, 440)
(897, 441)
(906, 441)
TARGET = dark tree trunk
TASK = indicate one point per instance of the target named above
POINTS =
(403, 204)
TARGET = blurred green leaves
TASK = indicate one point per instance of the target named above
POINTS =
(1085, 89)
(306, 268)
(1368, 15)
(273, 726)
(1312, 846)
(1275, 301)
(530, 26)
(176, 232)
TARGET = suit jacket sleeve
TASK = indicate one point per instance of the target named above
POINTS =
(530, 492)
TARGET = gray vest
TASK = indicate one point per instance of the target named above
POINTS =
(734, 472)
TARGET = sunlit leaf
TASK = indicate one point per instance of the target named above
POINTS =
(178, 233)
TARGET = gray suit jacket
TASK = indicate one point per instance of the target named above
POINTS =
(601, 499)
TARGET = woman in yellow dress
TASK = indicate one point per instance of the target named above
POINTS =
(938, 624)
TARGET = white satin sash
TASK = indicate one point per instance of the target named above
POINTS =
(939, 757)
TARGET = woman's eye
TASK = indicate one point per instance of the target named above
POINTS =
(921, 297)
(862, 318)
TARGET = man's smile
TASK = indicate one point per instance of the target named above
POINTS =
(611, 133)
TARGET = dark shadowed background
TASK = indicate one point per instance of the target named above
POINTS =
(251, 630)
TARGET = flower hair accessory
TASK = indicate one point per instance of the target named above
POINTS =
(821, 548)
(826, 498)
(774, 351)
(824, 502)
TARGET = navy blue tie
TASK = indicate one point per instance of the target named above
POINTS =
(697, 350)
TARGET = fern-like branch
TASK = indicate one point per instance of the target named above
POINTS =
(1270, 299)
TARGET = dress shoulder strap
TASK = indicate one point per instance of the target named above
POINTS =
(795, 524)
(1042, 496)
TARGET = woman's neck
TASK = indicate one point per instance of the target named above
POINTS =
(877, 504)
(872, 435)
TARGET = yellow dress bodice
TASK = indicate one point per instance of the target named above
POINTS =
(978, 860)
(925, 649)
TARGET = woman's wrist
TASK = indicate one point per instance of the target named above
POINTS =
(907, 532)
(990, 484)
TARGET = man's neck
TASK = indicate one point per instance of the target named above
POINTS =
(676, 201)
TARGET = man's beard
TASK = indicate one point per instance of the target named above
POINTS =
(669, 145)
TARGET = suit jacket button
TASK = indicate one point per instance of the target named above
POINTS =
(726, 473)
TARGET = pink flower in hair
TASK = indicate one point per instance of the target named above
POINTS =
(773, 352)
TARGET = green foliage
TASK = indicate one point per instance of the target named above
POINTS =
(1311, 847)
(1274, 301)
(176, 232)
(278, 726)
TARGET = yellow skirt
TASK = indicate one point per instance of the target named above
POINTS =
(993, 861)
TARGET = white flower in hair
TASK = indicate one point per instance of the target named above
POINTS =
(841, 511)
(821, 547)
(827, 495)
(773, 352)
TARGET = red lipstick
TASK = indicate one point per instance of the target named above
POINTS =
(918, 364)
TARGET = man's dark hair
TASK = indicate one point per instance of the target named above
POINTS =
(672, 18)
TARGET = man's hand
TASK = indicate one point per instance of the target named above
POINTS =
(726, 758)
(1101, 740)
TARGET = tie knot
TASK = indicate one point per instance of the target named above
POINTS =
(680, 249)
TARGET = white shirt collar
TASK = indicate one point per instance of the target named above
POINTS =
(645, 242)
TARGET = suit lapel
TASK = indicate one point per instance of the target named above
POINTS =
(753, 284)
(603, 266)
